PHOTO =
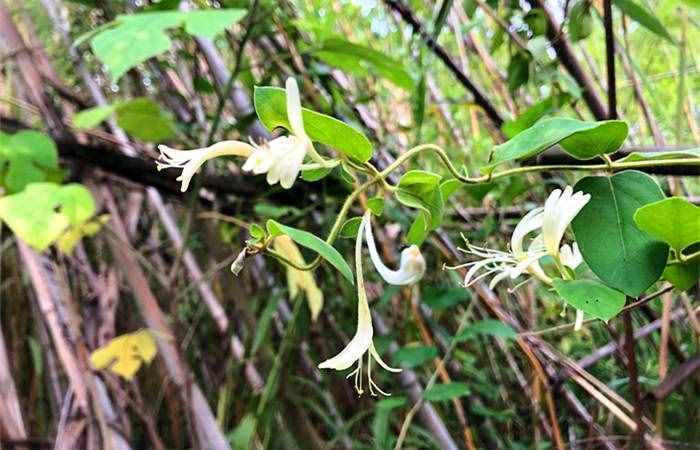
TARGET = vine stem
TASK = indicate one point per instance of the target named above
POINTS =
(380, 176)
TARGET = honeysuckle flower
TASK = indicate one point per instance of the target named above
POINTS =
(299, 279)
(282, 158)
(361, 344)
(411, 267)
(512, 263)
(559, 210)
(191, 160)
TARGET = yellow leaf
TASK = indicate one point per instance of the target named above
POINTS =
(124, 354)
(70, 238)
(299, 279)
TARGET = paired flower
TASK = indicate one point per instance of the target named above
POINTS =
(553, 219)
(411, 269)
(281, 158)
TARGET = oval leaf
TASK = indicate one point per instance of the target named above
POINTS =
(591, 297)
(618, 252)
(583, 140)
(443, 392)
(313, 242)
(271, 108)
(674, 220)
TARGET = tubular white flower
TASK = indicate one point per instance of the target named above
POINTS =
(361, 343)
(282, 158)
(513, 263)
(412, 264)
(559, 210)
(191, 160)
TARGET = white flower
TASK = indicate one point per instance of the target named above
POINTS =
(191, 160)
(570, 256)
(411, 267)
(513, 263)
(282, 158)
(559, 210)
(361, 343)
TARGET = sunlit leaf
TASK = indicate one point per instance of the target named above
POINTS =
(674, 220)
(43, 212)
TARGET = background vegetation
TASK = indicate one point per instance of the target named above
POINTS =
(237, 360)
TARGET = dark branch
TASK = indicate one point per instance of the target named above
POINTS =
(479, 98)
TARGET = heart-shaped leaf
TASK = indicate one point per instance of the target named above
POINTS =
(618, 252)
(591, 297)
(674, 220)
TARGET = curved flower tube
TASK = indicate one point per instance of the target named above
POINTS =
(191, 160)
(412, 264)
(361, 343)
(559, 210)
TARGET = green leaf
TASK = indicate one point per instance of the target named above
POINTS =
(312, 175)
(419, 181)
(583, 140)
(620, 254)
(442, 297)
(414, 355)
(256, 232)
(380, 422)
(644, 17)
(310, 241)
(350, 228)
(444, 392)
(135, 38)
(143, 119)
(591, 296)
(419, 229)
(674, 220)
(271, 108)
(91, 117)
(488, 327)
(26, 157)
(580, 21)
(210, 22)
(683, 276)
(376, 205)
(363, 61)
(518, 70)
(653, 156)
(242, 436)
(606, 138)
(534, 113)
(43, 212)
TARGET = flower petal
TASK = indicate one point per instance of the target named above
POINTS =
(412, 265)
(294, 108)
